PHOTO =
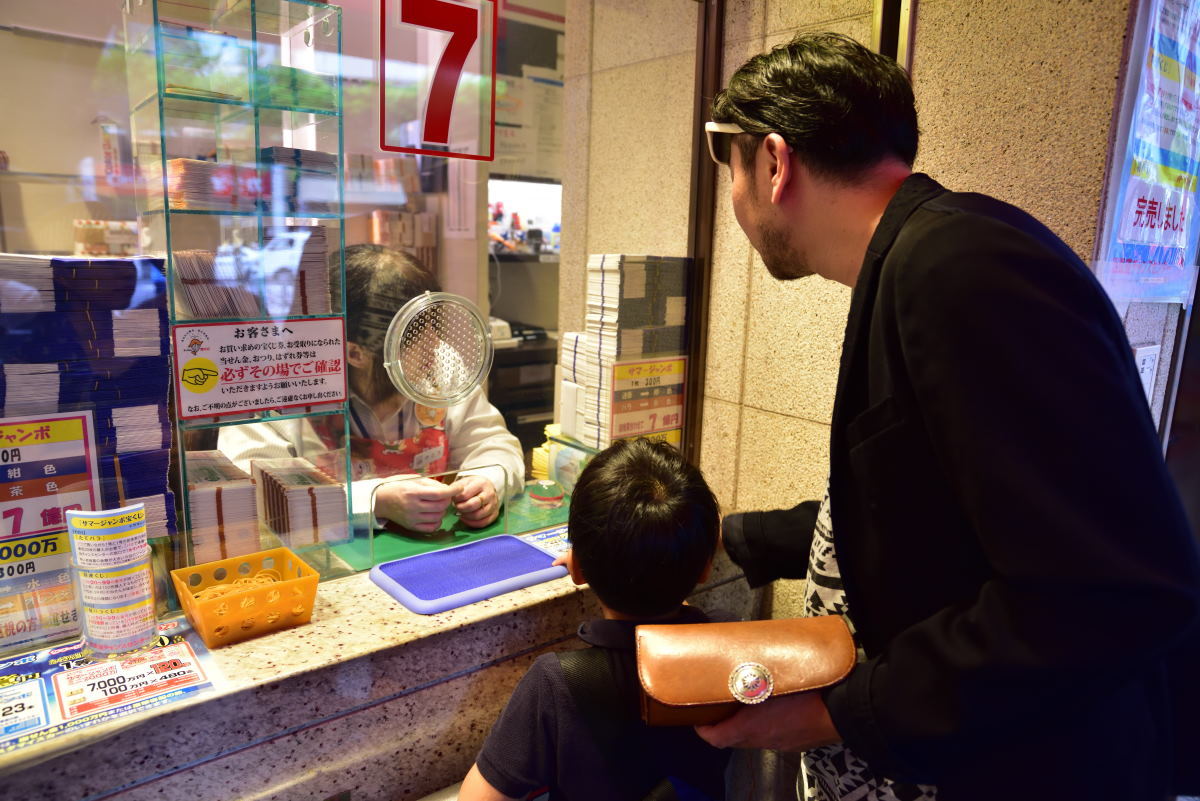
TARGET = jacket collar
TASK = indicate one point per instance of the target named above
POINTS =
(619, 634)
(916, 190)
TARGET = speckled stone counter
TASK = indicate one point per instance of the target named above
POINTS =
(368, 698)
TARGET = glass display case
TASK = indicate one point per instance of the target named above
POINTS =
(237, 140)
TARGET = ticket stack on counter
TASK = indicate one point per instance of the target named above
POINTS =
(222, 506)
(300, 503)
(636, 307)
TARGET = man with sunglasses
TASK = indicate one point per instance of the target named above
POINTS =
(999, 527)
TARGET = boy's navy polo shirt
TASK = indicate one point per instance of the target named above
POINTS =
(541, 742)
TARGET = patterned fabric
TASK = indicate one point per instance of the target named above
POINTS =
(834, 773)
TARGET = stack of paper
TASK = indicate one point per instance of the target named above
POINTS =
(194, 184)
(636, 306)
(295, 264)
(74, 341)
(212, 285)
(296, 180)
(138, 332)
(300, 503)
(30, 388)
(222, 506)
(138, 428)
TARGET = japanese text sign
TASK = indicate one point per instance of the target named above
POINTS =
(234, 368)
(437, 77)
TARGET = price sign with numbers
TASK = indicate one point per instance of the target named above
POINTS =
(53, 692)
(23, 708)
(437, 77)
(647, 398)
(47, 467)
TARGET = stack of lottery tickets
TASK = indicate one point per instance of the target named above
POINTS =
(213, 285)
(636, 307)
(223, 507)
(198, 185)
(295, 266)
(88, 336)
(299, 502)
(298, 181)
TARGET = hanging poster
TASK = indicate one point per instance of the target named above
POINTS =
(1148, 248)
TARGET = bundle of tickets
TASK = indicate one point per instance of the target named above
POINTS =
(198, 185)
(299, 502)
(295, 180)
(223, 507)
(295, 265)
(48, 283)
(636, 306)
(212, 285)
(90, 336)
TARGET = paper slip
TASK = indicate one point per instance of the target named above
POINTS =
(95, 688)
(107, 538)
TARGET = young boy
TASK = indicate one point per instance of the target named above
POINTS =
(643, 528)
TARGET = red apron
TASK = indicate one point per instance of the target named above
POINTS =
(428, 452)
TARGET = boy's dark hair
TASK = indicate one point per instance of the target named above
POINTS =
(842, 107)
(643, 525)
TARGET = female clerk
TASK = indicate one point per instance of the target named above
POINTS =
(391, 435)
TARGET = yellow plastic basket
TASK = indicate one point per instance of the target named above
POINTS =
(247, 610)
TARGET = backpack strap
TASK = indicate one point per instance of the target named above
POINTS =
(593, 688)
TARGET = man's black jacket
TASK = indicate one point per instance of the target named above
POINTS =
(1015, 557)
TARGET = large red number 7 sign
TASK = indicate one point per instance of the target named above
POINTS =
(436, 94)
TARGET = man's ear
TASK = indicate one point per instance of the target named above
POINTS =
(357, 355)
(573, 569)
(779, 160)
(706, 573)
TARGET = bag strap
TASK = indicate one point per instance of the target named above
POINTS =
(593, 688)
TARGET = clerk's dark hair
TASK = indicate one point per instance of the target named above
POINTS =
(379, 280)
(842, 107)
(643, 526)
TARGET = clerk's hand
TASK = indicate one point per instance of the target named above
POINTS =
(475, 500)
(418, 504)
(786, 723)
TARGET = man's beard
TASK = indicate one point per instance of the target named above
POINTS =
(782, 260)
(372, 383)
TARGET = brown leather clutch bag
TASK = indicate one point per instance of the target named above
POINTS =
(702, 673)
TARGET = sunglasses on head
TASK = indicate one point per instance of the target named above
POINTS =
(720, 139)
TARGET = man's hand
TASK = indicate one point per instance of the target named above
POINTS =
(787, 723)
(475, 500)
(417, 504)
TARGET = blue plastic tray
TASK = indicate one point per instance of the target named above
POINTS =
(440, 580)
